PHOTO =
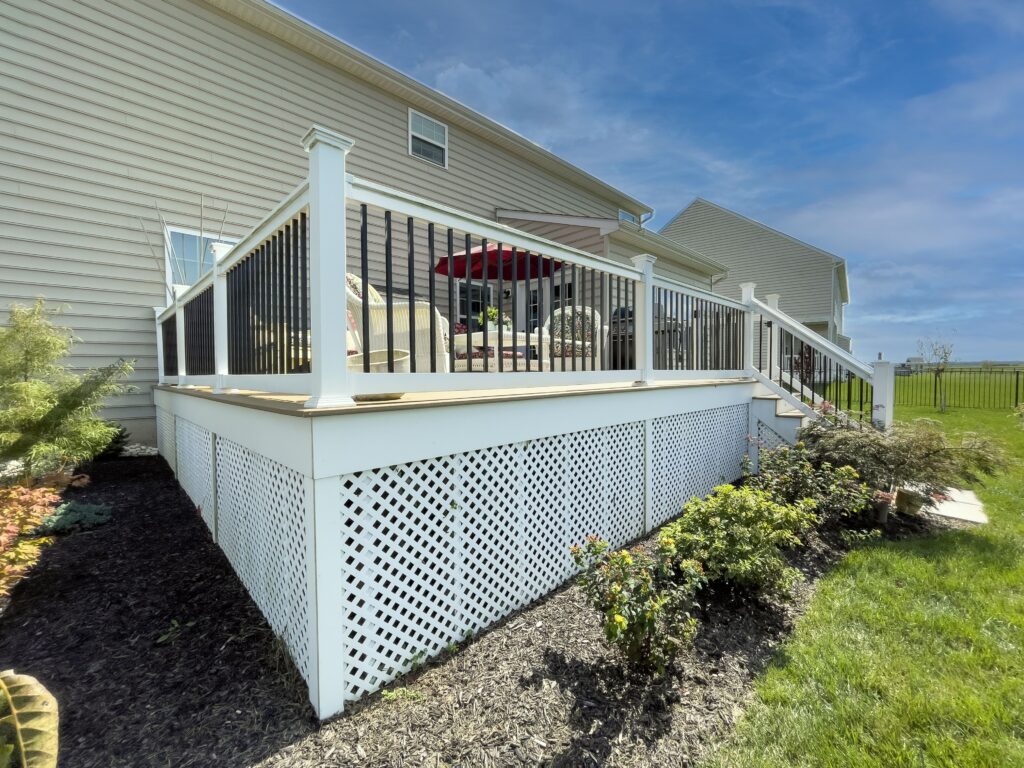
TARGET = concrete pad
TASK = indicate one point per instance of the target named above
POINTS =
(961, 505)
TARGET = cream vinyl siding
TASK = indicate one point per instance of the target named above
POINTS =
(587, 239)
(663, 266)
(802, 275)
(112, 108)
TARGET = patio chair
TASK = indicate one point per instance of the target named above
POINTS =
(375, 338)
(582, 331)
(473, 360)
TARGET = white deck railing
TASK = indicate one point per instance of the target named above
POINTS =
(270, 315)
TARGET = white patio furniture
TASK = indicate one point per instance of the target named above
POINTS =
(375, 338)
(583, 329)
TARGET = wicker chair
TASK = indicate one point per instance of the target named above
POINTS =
(376, 338)
(583, 329)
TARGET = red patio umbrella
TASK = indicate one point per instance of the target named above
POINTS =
(508, 265)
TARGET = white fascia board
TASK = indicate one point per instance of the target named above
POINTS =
(353, 442)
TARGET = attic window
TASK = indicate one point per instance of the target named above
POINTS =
(627, 216)
(428, 139)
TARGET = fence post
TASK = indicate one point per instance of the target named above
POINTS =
(179, 323)
(220, 318)
(327, 267)
(1016, 389)
(643, 318)
(747, 297)
(884, 389)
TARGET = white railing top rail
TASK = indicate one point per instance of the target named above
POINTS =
(808, 336)
(296, 200)
(698, 293)
(380, 196)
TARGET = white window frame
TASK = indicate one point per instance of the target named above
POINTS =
(168, 268)
(428, 139)
(465, 303)
(632, 218)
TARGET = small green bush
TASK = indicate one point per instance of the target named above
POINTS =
(116, 444)
(73, 516)
(789, 475)
(738, 535)
(48, 420)
(644, 602)
(909, 453)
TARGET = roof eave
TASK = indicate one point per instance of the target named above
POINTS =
(642, 238)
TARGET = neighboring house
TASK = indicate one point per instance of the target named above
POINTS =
(812, 283)
(136, 134)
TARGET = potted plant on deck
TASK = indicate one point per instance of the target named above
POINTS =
(491, 316)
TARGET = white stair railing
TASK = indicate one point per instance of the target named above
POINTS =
(811, 372)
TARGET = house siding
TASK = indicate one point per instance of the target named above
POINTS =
(587, 239)
(112, 109)
(801, 275)
(624, 254)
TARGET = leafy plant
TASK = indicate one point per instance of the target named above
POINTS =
(22, 509)
(173, 632)
(644, 604)
(48, 415)
(492, 314)
(28, 723)
(738, 535)
(789, 475)
(917, 453)
(73, 516)
(116, 444)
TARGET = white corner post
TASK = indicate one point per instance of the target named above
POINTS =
(327, 266)
(772, 300)
(161, 374)
(220, 317)
(327, 628)
(747, 297)
(883, 403)
(643, 318)
(179, 324)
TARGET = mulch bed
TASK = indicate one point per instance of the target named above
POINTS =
(95, 622)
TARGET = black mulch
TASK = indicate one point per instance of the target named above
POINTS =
(95, 622)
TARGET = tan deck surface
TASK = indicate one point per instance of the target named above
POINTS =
(293, 405)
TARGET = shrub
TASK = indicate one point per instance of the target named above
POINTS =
(116, 445)
(738, 535)
(29, 720)
(47, 414)
(22, 509)
(645, 604)
(73, 516)
(788, 475)
(911, 453)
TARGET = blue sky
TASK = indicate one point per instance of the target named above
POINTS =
(891, 133)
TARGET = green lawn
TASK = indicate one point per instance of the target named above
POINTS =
(912, 652)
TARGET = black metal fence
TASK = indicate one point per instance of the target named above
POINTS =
(959, 386)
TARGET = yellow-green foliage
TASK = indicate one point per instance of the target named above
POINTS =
(28, 723)
(738, 535)
(788, 474)
(47, 413)
(21, 510)
(644, 602)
